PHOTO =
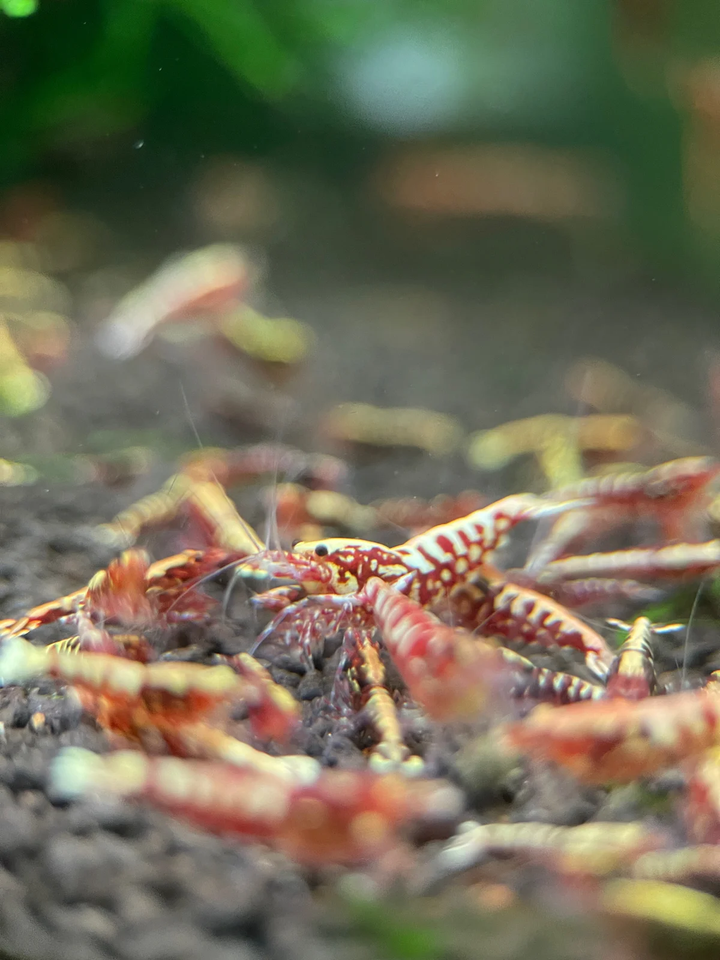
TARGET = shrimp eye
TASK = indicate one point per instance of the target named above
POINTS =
(321, 550)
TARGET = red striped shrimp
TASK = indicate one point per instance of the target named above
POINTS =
(272, 710)
(701, 805)
(620, 740)
(549, 686)
(678, 561)
(441, 560)
(675, 494)
(135, 593)
(632, 672)
(361, 672)
(172, 688)
(515, 612)
(202, 282)
(197, 493)
(450, 673)
(172, 693)
(595, 591)
(594, 849)
(331, 816)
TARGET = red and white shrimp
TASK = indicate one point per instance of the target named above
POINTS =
(362, 680)
(175, 689)
(593, 591)
(272, 710)
(533, 683)
(632, 672)
(197, 493)
(167, 704)
(678, 561)
(440, 557)
(209, 516)
(433, 565)
(203, 282)
(620, 740)
(676, 495)
(450, 673)
(701, 806)
(332, 816)
(133, 592)
(516, 612)
(594, 849)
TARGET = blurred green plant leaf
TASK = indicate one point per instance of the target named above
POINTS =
(240, 37)
(18, 8)
(109, 76)
(399, 934)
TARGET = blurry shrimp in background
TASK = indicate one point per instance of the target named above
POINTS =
(35, 331)
(22, 389)
(596, 384)
(211, 284)
(198, 284)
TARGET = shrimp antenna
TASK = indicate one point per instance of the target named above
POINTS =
(272, 536)
(261, 548)
(211, 576)
(272, 532)
(250, 533)
(268, 631)
(686, 646)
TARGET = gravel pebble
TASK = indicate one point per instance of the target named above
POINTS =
(136, 905)
(86, 869)
(83, 919)
(342, 751)
(226, 949)
(227, 904)
(293, 940)
(119, 817)
(19, 832)
(310, 686)
(166, 939)
(287, 678)
(22, 935)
